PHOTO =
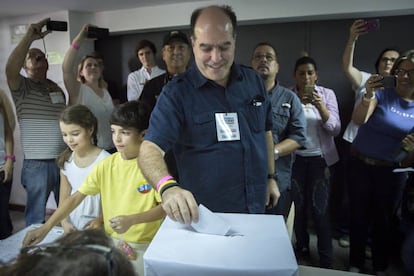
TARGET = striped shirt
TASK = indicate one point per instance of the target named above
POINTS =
(38, 107)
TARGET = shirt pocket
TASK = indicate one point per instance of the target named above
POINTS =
(256, 117)
(280, 120)
(203, 131)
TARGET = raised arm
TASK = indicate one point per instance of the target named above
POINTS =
(18, 56)
(69, 66)
(351, 72)
(368, 103)
(179, 204)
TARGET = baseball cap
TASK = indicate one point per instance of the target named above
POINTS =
(175, 35)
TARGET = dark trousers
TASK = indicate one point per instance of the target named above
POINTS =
(310, 192)
(374, 193)
(6, 226)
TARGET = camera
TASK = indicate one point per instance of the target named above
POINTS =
(388, 81)
(372, 25)
(308, 92)
(94, 32)
(60, 26)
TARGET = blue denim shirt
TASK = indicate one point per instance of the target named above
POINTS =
(288, 122)
(226, 176)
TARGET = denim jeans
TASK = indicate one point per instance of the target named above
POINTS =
(310, 192)
(6, 226)
(374, 193)
(39, 178)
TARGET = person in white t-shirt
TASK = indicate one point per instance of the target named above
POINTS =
(79, 131)
(145, 52)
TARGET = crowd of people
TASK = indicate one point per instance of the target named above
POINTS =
(215, 132)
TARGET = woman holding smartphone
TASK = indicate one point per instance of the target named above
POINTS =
(385, 116)
(310, 173)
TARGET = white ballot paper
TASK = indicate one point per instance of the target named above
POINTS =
(210, 223)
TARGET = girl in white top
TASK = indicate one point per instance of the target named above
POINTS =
(87, 87)
(79, 129)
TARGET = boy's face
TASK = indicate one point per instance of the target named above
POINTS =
(127, 141)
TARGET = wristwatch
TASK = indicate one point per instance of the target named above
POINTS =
(276, 154)
(272, 176)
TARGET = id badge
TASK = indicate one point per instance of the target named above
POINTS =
(227, 125)
(56, 97)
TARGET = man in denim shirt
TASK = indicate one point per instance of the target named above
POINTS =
(217, 118)
(288, 121)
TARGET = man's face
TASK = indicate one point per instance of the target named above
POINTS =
(264, 62)
(176, 56)
(146, 57)
(36, 63)
(214, 46)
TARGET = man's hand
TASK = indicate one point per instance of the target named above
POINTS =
(35, 236)
(180, 205)
(272, 193)
(35, 30)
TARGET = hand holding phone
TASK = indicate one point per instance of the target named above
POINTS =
(308, 93)
(372, 25)
(60, 26)
(95, 32)
(389, 81)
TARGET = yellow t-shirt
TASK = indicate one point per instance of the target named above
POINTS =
(124, 191)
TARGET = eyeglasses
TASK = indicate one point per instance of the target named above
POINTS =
(401, 72)
(50, 249)
(268, 57)
(386, 60)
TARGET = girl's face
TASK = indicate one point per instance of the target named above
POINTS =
(127, 141)
(305, 74)
(91, 70)
(76, 137)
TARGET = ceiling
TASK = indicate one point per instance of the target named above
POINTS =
(11, 8)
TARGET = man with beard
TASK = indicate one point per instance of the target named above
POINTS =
(288, 122)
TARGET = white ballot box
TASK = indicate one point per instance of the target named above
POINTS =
(259, 245)
(10, 247)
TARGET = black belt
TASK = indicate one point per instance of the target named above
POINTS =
(375, 162)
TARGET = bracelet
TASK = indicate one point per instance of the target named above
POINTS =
(167, 186)
(11, 157)
(75, 46)
(162, 180)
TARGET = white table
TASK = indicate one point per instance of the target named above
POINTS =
(263, 249)
(10, 247)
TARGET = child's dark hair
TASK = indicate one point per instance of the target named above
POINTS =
(78, 115)
(133, 114)
(88, 252)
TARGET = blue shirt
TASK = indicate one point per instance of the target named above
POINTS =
(381, 136)
(226, 176)
(288, 122)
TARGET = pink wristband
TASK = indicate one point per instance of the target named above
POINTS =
(75, 46)
(162, 180)
(11, 157)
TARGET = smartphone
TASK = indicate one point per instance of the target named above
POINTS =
(308, 91)
(60, 26)
(372, 25)
(94, 32)
(389, 81)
